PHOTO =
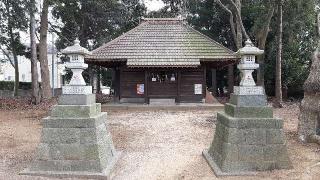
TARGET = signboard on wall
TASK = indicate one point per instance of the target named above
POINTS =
(140, 89)
(198, 89)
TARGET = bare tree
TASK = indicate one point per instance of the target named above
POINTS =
(34, 61)
(43, 53)
(233, 8)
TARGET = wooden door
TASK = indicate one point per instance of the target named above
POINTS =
(162, 84)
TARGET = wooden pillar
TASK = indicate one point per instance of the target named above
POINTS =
(98, 83)
(116, 83)
(204, 84)
(178, 86)
(146, 86)
(230, 79)
(214, 82)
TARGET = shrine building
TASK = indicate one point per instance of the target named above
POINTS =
(162, 58)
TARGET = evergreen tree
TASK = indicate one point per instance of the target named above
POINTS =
(12, 21)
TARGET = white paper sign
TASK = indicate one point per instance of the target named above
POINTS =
(198, 89)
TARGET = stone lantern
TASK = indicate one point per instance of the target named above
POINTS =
(248, 63)
(76, 54)
(75, 141)
(246, 66)
(247, 137)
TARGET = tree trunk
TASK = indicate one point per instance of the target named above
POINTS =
(43, 54)
(261, 37)
(238, 27)
(16, 73)
(278, 86)
(260, 60)
(16, 63)
(318, 23)
(34, 67)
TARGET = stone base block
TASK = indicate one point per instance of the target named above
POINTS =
(249, 90)
(76, 111)
(248, 100)
(79, 99)
(72, 89)
(56, 122)
(248, 112)
(75, 142)
(218, 172)
(105, 174)
(242, 146)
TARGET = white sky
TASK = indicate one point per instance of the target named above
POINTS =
(153, 5)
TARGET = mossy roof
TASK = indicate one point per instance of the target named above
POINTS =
(162, 42)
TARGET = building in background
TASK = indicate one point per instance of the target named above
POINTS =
(7, 70)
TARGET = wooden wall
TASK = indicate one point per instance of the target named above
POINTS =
(188, 79)
(129, 78)
(182, 89)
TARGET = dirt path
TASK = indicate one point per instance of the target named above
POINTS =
(154, 145)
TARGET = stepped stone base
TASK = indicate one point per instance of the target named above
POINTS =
(162, 101)
(247, 139)
(75, 141)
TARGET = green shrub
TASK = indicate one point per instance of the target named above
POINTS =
(6, 85)
(9, 85)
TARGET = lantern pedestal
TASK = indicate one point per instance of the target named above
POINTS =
(75, 141)
(247, 137)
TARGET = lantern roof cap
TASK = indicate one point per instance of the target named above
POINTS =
(250, 49)
(76, 49)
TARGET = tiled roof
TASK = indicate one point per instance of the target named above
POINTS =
(162, 42)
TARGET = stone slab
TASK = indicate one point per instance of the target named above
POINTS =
(76, 99)
(154, 101)
(55, 122)
(248, 123)
(72, 89)
(248, 112)
(132, 100)
(76, 111)
(248, 100)
(105, 174)
(249, 90)
(218, 172)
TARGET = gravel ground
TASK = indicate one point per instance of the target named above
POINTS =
(154, 145)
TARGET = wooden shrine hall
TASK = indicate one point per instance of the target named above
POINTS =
(162, 58)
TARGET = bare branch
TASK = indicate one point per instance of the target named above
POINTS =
(231, 20)
(238, 15)
(58, 33)
(7, 55)
(263, 32)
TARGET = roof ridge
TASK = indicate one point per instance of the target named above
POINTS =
(163, 19)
